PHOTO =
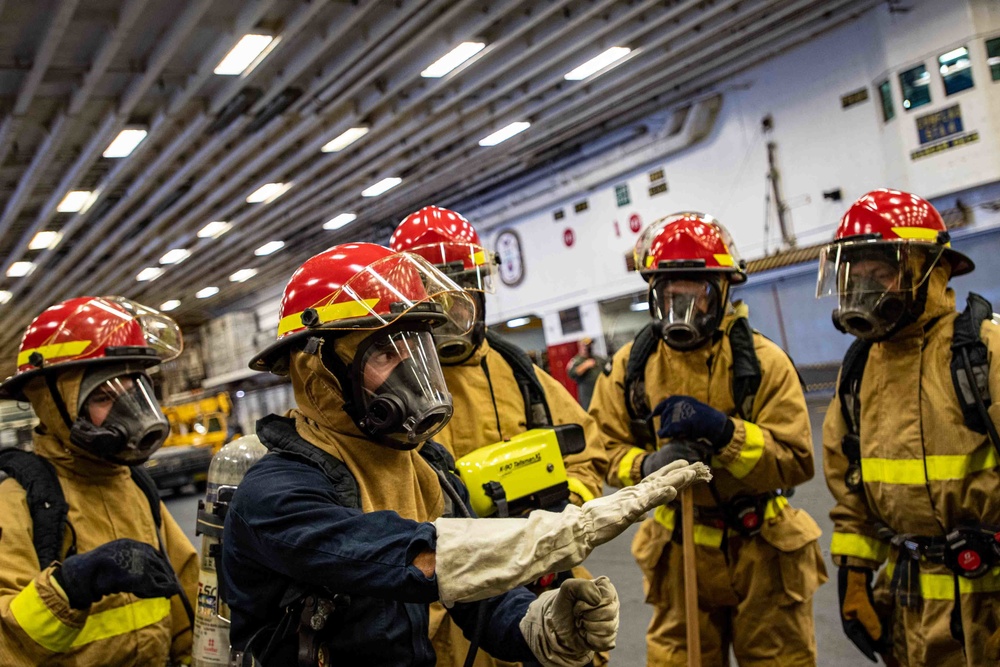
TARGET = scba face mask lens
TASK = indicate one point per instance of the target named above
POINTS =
(689, 310)
(120, 420)
(455, 342)
(401, 389)
(871, 315)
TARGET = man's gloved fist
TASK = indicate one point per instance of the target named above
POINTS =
(121, 566)
(565, 627)
(686, 417)
(862, 624)
(675, 450)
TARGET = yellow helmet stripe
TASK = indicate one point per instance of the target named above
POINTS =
(918, 233)
(479, 257)
(54, 352)
(725, 260)
(329, 313)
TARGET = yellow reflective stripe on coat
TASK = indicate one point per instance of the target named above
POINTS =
(753, 449)
(625, 466)
(330, 313)
(123, 620)
(579, 488)
(706, 536)
(939, 468)
(53, 352)
(859, 546)
(39, 623)
(942, 586)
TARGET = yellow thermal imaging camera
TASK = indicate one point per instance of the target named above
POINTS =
(524, 473)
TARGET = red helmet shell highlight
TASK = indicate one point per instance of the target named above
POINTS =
(440, 236)
(893, 215)
(688, 242)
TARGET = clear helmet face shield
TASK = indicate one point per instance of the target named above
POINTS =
(875, 283)
(400, 388)
(120, 419)
(689, 308)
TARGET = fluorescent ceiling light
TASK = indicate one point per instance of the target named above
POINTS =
(639, 306)
(74, 201)
(344, 140)
(267, 193)
(960, 52)
(504, 133)
(20, 269)
(452, 59)
(597, 63)
(149, 273)
(45, 241)
(206, 292)
(172, 304)
(125, 142)
(242, 275)
(269, 247)
(382, 186)
(214, 230)
(244, 56)
(518, 322)
(175, 256)
(5, 296)
(338, 221)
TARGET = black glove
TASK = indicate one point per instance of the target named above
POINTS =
(686, 417)
(121, 566)
(857, 611)
(675, 450)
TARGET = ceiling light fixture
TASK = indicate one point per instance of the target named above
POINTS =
(339, 220)
(20, 269)
(345, 139)
(175, 256)
(74, 201)
(243, 57)
(242, 275)
(517, 322)
(149, 273)
(597, 63)
(504, 133)
(5, 296)
(267, 193)
(452, 59)
(268, 248)
(172, 304)
(125, 142)
(214, 230)
(45, 241)
(638, 306)
(206, 292)
(381, 187)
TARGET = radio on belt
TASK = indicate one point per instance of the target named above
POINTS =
(523, 473)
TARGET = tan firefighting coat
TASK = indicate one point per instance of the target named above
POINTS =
(489, 408)
(38, 625)
(771, 577)
(924, 473)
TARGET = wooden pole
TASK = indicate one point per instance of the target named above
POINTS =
(690, 579)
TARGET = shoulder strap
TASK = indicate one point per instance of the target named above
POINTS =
(636, 400)
(437, 456)
(746, 367)
(970, 369)
(849, 389)
(146, 484)
(535, 403)
(290, 445)
(46, 503)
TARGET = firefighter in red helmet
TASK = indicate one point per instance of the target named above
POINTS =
(79, 586)
(481, 369)
(355, 518)
(910, 440)
(699, 384)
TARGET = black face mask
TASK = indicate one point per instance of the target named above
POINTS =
(684, 326)
(872, 315)
(455, 348)
(132, 430)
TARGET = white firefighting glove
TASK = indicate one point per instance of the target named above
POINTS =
(478, 558)
(565, 627)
